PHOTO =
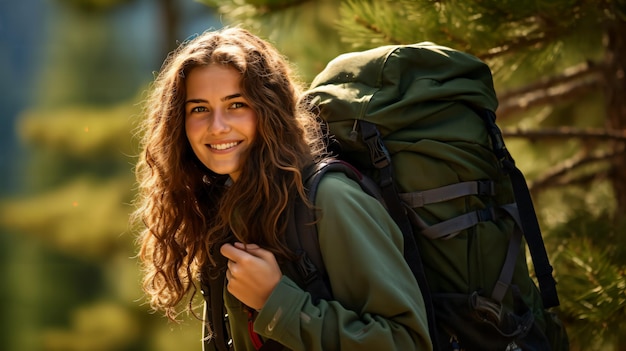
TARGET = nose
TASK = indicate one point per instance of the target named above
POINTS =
(218, 124)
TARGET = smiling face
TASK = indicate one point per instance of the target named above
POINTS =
(219, 122)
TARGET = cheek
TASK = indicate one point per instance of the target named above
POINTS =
(253, 127)
(192, 129)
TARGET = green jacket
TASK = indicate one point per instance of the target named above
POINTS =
(378, 303)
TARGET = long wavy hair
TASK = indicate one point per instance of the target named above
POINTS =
(188, 211)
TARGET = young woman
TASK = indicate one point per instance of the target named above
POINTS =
(225, 142)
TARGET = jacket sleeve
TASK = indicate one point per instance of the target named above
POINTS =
(377, 306)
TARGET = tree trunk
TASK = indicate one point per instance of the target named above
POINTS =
(615, 78)
(616, 108)
(171, 16)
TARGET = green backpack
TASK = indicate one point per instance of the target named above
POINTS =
(418, 121)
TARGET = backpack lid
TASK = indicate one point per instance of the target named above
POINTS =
(363, 85)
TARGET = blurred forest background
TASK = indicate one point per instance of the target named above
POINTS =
(73, 74)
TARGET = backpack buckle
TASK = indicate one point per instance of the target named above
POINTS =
(486, 187)
(379, 155)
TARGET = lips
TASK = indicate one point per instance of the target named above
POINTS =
(224, 146)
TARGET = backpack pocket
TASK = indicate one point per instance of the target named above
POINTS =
(474, 322)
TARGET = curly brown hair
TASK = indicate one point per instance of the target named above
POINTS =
(188, 211)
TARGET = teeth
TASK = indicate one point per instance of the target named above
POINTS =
(223, 146)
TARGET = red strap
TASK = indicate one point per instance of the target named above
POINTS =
(256, 339)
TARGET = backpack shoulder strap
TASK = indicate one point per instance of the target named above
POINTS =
(302, 234)
(307, 239)
(380, 158)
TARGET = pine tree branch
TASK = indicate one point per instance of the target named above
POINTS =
(515, 45)
(581, 180)
(458, 42)
(549, 91)
(587, 179)
(374, 29)
(545, 30)
(579, 71)
(565, 133)
(556, 175)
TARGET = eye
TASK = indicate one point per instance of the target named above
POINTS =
(236, 105)
(199, 109)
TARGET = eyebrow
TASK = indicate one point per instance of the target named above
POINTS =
(225, 98)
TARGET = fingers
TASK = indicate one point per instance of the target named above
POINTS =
(230, 252)
(252, 273)
(254, 250)
(239, 250)
(239, 257)
(246, 247)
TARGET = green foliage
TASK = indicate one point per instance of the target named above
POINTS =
(72, 282)
(82, 132)
(103, 326)
(78, 207)
(536, 34)
(590, 259)
(303, 30)
(85, 217)
(84, 63)
(365, 25)
(72, 140)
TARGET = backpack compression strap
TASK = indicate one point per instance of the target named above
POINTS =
(529, 223)
(453, 226)
(450, 228)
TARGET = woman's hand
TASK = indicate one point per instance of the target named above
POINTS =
(252, 273)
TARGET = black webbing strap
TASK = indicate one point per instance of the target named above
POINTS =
(207, 335)
(214, 311)
(529, 223)
(380, 158)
